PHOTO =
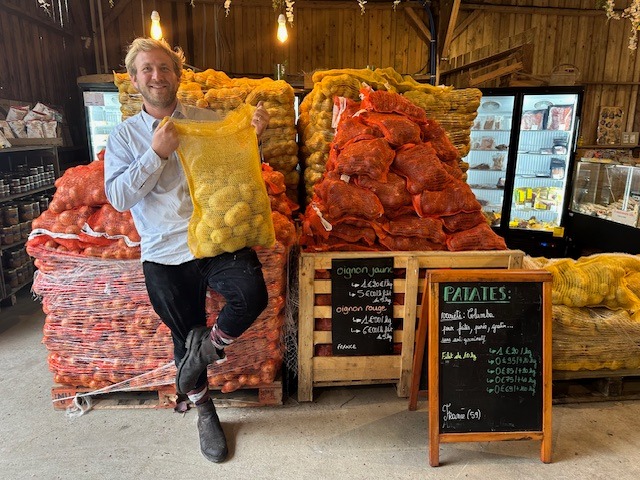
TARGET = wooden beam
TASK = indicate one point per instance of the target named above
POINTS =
(418, 25)
(497, 73)
(451, 17)
(578, 12)
(481, 61)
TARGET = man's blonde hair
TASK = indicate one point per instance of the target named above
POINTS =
(147, 44)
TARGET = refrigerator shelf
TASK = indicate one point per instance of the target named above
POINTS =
(489, 130)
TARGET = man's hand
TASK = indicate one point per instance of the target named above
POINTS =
(260, 119)
(165, 140)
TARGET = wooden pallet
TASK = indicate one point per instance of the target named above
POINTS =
(595, 386)
(322, 371)
(165, 397)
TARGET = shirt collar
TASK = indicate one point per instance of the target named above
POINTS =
(151, 122)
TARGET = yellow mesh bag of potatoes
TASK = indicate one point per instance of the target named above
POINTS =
(231, 208)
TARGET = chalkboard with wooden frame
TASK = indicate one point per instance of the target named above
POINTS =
(489, 357)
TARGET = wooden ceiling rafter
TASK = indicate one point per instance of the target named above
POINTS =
(418, 25)
(500, 8)
(447, 19)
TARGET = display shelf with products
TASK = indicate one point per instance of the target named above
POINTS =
(543, 157)
(27, 177)
(488, 155)
(605, 206)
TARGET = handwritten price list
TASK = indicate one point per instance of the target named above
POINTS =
(489, 363)
(362, 304)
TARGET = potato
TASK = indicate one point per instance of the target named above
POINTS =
(213, 220)
(220, 235)
(233, 244)
(202, 231)
(224, 198)
(242, 230)
(246, 191)
(237, 214)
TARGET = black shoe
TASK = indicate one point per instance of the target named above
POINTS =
(200, 353)
(213, 443)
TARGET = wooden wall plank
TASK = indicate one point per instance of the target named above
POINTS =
(164, 8)
(181, 25)
(401, 41)
(374, 55)
(197, 29)
(28, 64)
(361, 57)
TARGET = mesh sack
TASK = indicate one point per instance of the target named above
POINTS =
(397, 129)
(462, 221)
(421, 167)
(339, 199)
(480, 237)
(366, 157)
(231, 209)
(353, 129)
(388, 102)
(79, 186)
(411, 225)
(393, 193)
(454, 198)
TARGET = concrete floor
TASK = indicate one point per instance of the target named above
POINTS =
(345, 433)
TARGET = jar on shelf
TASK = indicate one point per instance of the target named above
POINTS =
(35, 205)
(20, 276)
(14, 258)
(25, 229)
(44, 203)
(7, 235)
(10, 214)
(25, 211)
(11, 278)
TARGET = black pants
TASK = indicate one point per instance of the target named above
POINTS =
(177, 294)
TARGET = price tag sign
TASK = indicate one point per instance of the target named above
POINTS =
(362, 306)
(93, 99)
(489, 350)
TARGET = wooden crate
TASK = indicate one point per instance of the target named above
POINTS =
(164, 396)
(410, 268)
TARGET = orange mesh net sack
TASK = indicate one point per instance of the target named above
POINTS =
(231, 209)
(80, 219)
(394, 174)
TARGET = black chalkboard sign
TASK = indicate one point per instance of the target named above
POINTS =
(489, 352)
(490, 343)
(362, 306)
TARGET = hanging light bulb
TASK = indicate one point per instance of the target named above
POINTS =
(282, 28)
(156, 30)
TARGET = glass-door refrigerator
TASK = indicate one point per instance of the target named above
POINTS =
(489, 153)
(102, 109)
(538, 151)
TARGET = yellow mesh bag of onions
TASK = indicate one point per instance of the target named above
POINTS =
(231, 208)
